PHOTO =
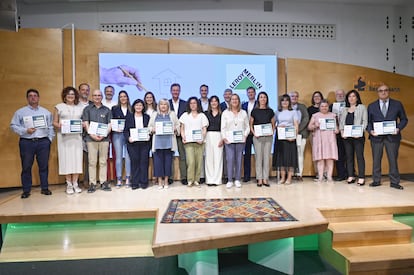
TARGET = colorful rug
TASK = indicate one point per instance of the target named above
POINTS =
(225, 210)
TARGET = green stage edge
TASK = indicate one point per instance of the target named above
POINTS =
(69, 224)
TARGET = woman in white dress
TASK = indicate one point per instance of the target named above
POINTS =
(70, 154)
(214, 143)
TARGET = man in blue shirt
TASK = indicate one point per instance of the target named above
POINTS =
(34, 126)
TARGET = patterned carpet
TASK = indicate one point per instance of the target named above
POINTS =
(225, 210)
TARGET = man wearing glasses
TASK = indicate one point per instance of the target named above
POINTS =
(382, 114)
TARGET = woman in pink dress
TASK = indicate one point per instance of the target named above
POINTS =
(324, 149)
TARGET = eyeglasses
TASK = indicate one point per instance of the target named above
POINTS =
(383, 90)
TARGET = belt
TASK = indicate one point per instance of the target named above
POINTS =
(35, 139)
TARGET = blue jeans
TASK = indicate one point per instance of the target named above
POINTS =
(28, 150)
(234, 154)
(119, 143)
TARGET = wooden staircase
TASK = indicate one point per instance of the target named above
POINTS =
(367, 243)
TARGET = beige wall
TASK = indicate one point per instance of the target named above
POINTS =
(41, 58)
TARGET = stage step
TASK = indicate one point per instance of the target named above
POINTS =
(379, 259)
(369, 241)
(359, 233)
(25, 242)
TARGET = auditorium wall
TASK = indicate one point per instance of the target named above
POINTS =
(41, 59)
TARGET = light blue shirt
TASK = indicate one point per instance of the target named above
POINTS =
(17, 124)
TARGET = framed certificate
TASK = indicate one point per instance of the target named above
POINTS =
(98, 129)
(118, 125)
(337, 107)
(353, 131)
(164, 128)
(71, 126)
(235, 136)
(38, 121)
(327, 124)
(385, 127)
(284, 133)
(193, 135)
(263, 130)
(139, 134)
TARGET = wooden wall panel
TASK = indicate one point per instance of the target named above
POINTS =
(307, 76)
(28, 59)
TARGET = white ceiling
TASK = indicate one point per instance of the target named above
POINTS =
(370, 2)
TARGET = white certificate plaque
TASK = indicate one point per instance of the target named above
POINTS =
(71, 126)
(261, 130)
(118, 125)
(327, 124)
(193, 135)
(352, 130)
(139, 134)
(235, 136)
(284, 133)
(385, 127)
(98, 129)
(164, 128)
(37, 121)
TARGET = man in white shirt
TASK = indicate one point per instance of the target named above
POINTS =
(179, 106)
(204, 97)
(109, 92)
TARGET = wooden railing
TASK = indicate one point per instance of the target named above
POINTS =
(407, 142)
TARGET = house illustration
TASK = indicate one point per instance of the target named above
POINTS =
(165, 79)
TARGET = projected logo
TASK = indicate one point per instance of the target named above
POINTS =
(240, 76)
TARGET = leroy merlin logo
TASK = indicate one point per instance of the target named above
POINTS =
(245, 80)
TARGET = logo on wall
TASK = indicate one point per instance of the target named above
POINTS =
(361, 84)
(245, 78)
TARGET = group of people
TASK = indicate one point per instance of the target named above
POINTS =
(211, 138)
(338, 135)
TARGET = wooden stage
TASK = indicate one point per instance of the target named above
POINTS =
(303, 200)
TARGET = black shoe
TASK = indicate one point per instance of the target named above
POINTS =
(396, 186)
(91, 188)
(184, 181)
(170, 181)
(144, 186)
(202, 180)
(106, 186)
(246, 179)
(25, 195)
(374, 184)
(134, 187)
(351, 181)
(46, 192)
(341, 179)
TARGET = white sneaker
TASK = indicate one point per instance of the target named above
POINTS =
(119, 184)
(189, 184)
(166, 186)
(196, 183)
(160, 187)
(229, 184)
(69, 188)
(237, 183)
(76, 188)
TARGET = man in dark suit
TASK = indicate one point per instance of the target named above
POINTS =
(386, 109)
(179, 106)
(226, 95)
(248, 106)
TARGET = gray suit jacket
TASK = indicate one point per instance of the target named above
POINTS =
(360, 116)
